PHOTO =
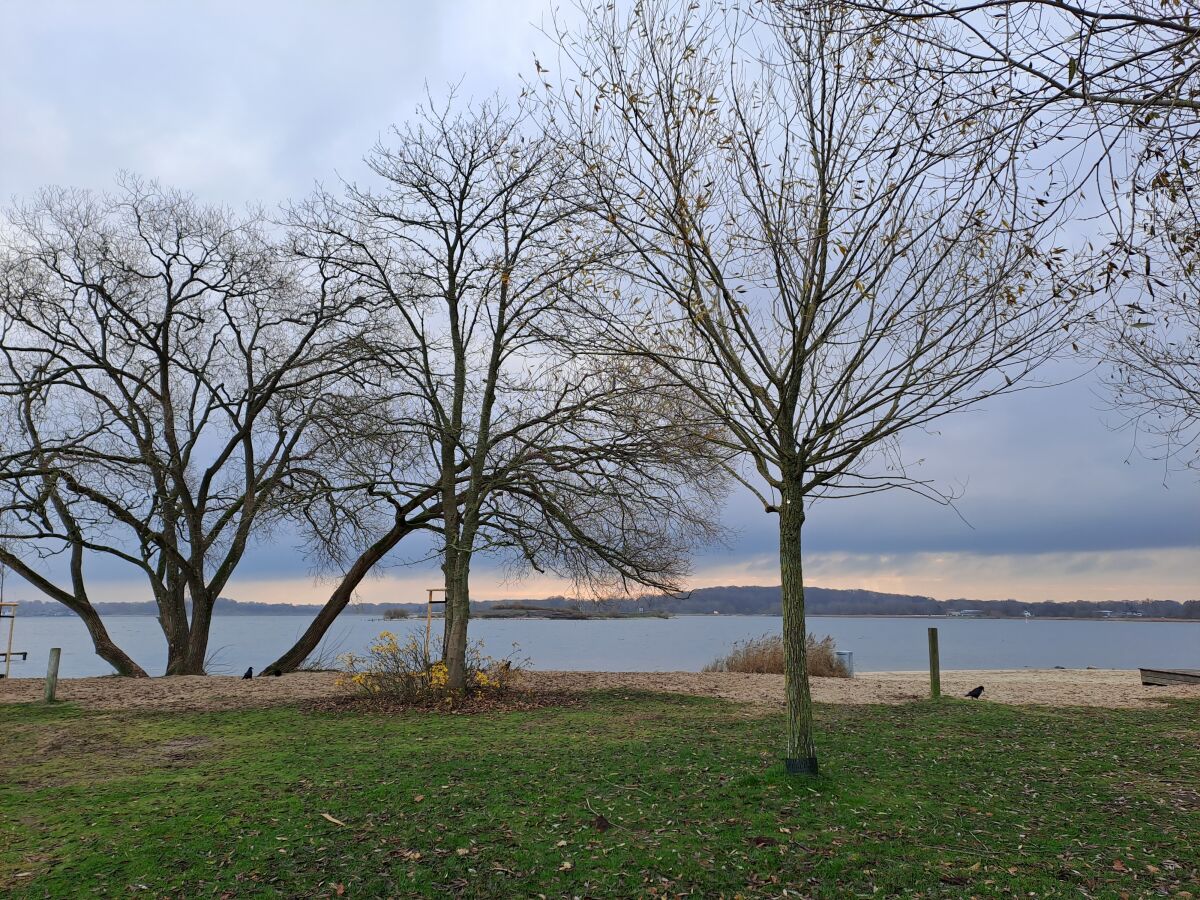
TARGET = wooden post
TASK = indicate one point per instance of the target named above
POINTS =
(429, 613)
(52, 673)
(935, 666)
(12, 622)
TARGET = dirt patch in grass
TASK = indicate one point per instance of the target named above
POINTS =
(70, 754)
(69, 741)
(182, 749)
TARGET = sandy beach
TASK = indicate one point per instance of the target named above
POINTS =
(1113, 688)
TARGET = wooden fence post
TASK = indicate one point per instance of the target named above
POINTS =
(52, 673)
(935, 666)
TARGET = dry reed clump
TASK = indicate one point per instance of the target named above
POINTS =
(764, 655)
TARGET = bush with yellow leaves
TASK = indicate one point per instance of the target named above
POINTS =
(401, 670)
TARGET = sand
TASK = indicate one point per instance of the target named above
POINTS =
(1034, 687)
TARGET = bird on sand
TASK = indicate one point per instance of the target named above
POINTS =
(274, 672)
(249, 674)
(975, 693)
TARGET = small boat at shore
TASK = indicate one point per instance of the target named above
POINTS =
(1165, 677)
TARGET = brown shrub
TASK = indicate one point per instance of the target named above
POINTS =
(764, 655)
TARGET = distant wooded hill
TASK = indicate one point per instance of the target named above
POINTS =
(705, 601)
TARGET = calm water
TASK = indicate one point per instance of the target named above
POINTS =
(684, 643)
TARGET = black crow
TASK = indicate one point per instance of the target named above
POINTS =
(249, 674)
(274, 672)
(976, 693)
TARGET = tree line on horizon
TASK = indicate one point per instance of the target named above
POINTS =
(720, 247)
(734, 600)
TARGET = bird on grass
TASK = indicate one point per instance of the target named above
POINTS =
(975, 693)
(274, 672)
(249, 674)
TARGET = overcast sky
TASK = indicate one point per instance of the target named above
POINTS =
(254, 102)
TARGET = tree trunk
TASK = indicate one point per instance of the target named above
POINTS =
(202, 607)
(105, 648)
(801, 756)
(458, 612)
(449, 614)
(177, 655)
(79, 604)
(172, 619)
(337, 601)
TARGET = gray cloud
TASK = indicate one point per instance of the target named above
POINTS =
(254, 102)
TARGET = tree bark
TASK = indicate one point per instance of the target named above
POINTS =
(172, 619)
(801, 756)
(458, 613)
(105, 648)
(197, 648)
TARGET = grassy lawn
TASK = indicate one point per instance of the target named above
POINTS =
(625, 795)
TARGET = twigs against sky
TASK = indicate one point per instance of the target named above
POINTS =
(823, 243)
(471, 244)
(1123, 78)
(162, 362)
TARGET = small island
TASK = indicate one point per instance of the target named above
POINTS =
(539, 611)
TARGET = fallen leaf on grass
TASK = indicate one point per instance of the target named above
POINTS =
(328, 818)
(763, 841)
(565, 867)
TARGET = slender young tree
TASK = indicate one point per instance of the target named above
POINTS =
(469, 241)
(811, 243)
(163, 362)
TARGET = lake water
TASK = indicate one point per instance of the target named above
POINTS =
(683, 643)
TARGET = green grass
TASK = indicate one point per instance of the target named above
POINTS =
(949, 799)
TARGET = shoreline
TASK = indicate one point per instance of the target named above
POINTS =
(1099, 688)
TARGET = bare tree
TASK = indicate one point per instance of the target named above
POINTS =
(163, 362)
(814, 247)
(469, 242)
(1124, 78)
(1152, 342)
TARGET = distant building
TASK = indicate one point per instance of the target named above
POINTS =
(966, 613)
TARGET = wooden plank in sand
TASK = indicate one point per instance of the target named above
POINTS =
(1164, 677)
